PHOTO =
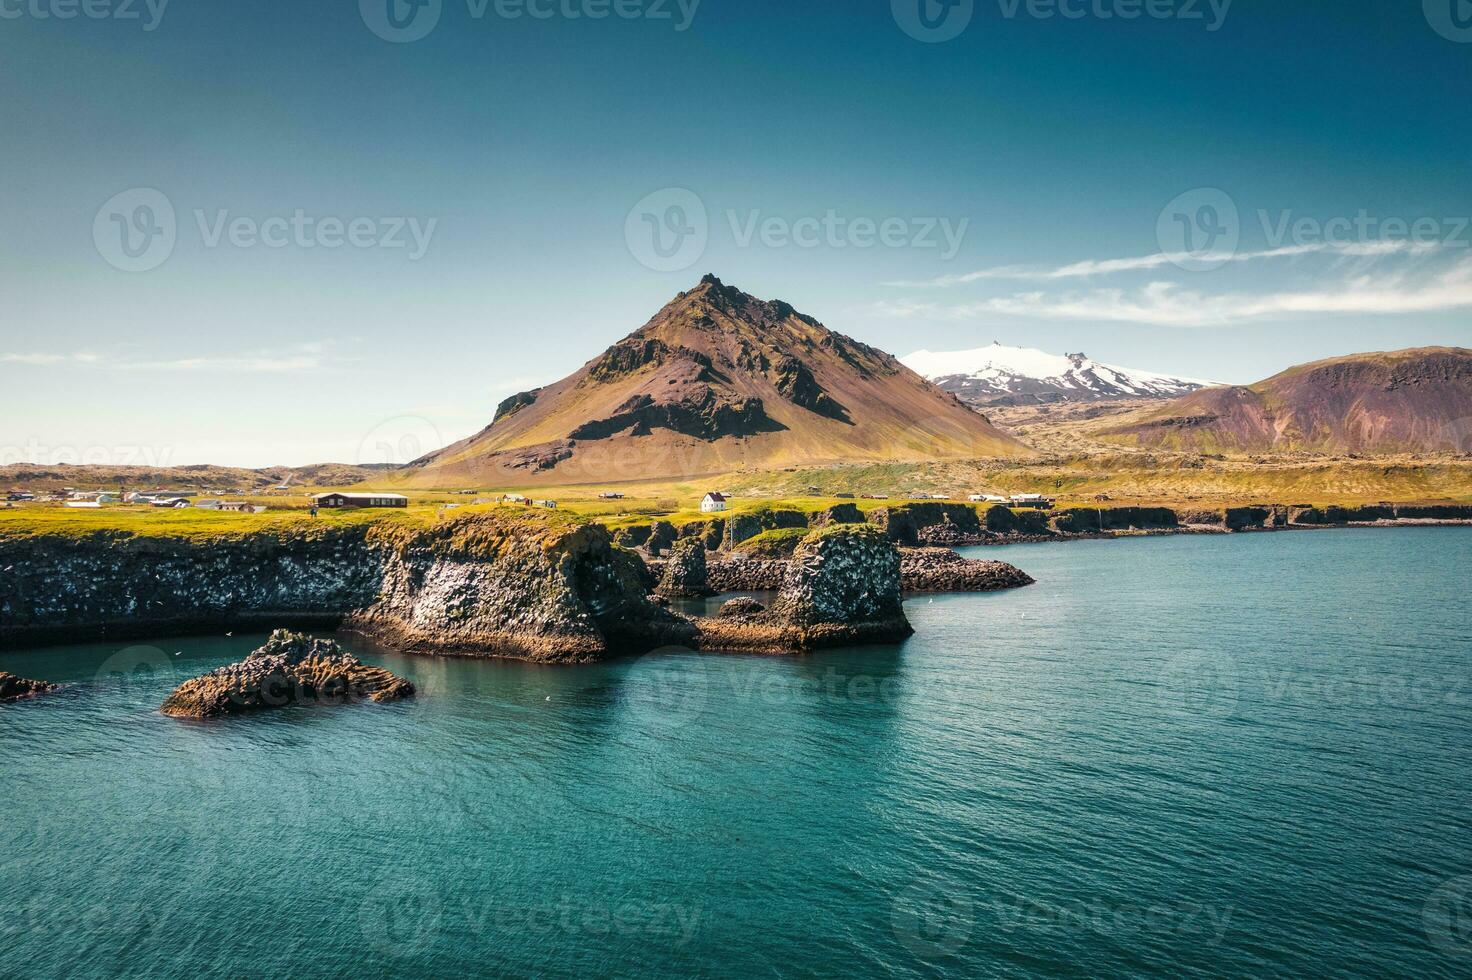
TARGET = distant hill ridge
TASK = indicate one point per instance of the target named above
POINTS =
(1414, 400)
(35, 476)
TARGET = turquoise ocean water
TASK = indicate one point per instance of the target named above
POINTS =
(1208, 756)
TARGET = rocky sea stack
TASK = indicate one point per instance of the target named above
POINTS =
(842, 586)
(291, 669)
(685, 574)
(14, 688)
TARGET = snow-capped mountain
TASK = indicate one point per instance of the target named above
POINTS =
(1002, 375)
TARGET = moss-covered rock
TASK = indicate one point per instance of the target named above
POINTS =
(685, 572)
(842, 586)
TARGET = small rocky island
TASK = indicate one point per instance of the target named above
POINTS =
(291, 669)
(14, 688)
(943, 570)
(841, 587)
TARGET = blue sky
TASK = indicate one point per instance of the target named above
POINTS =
(372, 242)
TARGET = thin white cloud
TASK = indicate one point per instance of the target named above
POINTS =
(48, 359)
(1168, 305)
(266, 363)
(1146, 263)
(248, 365)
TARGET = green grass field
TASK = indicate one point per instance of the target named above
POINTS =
(1084, 480)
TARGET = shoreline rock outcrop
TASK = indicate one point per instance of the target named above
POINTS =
(291, 669)
(518, 586)
(534, 586)
(685, 574)
(942, 570)
(742, 573)
(842, 587)
(14, 688)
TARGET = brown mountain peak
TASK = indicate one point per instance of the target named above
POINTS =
(716, 380)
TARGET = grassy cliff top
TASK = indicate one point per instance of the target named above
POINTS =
(190, 523)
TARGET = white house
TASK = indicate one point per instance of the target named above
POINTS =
(713, 502)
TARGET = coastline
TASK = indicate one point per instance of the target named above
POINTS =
(539, 589)
(1002, 541)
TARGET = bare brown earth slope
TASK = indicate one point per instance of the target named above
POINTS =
(1417, 400)
(717, 382)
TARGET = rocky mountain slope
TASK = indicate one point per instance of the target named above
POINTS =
(1002, 375)
(717, 381)
(1416, 400)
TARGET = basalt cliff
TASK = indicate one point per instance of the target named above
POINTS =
(510, 584)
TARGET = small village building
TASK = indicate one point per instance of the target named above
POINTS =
(610, 495)
(240, 507)
(1036, 500)
(514, 498)
(171, 502)
(713, 503)
(340, 499)
(547, 504)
